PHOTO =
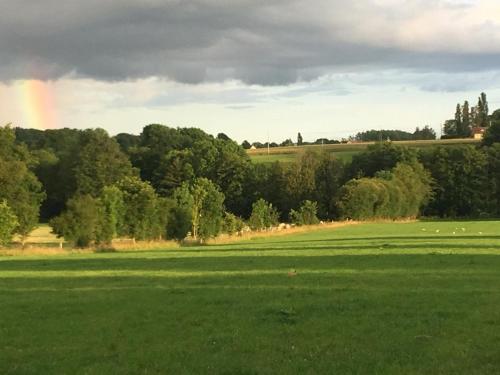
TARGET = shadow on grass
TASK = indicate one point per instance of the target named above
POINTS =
(374, 238)
(374, 262)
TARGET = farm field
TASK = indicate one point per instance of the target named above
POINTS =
(388, 298)
(342, 151)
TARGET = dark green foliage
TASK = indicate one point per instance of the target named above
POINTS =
(127, 141)
(111, 214)
(461, 184)
(492, 134)
(168, 157)
(306, 215)
(19, 187)
(481, 112)
(232, 224)
(8, 223)
(400, 193)
(395, 135)
(378, 157)
(180, 215)
(140, 216)
(246, 145)
(100, 163)
(80, 223)
(263, 216)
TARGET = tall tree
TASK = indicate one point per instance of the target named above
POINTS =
(100, 163)
(19, 187)
(299, 139)
(465, 128)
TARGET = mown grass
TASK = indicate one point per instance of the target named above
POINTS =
(419, 297)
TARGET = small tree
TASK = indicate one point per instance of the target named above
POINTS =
(263, 216)
(80, 223)
(306, 215)
(207, 209)
(8, 223)
(111, 214)
(180, 215)
(232, 223)
(140, 214)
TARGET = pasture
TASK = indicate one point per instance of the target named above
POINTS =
(387, 298)
(343, 151)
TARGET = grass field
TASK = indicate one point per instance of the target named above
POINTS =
(409, 298)
(342, 151)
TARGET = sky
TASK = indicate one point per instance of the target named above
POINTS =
(252, 69)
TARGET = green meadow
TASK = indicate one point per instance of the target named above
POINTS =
(344, 152)
(388, 298)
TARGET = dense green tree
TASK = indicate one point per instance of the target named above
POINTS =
(450, 129)
(231, 173)
(492, 134)
(246, 145)
(100, 163)
(180, 215)
(329, 175)
(140, 201)
(426, 133)
(481, 115)
(111, 214)
(207, 209)
(19, 187)
(80, 222)
(127, 141)
(401, 192)
(460, 180)
(232, 224)
(8, 223)
(263, 216)
(174, 169)
(465, 129)
(306, 214)
(377, 157)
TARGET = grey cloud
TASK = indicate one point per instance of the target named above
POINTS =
(205, 40)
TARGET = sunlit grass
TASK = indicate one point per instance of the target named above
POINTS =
(421, 297)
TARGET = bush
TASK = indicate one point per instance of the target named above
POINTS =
(306, 215)
(8, 223)
(399, 193)
(80, 223)
(264, 215)
(232, 223)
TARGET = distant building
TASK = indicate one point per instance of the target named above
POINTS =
(253, 148)
(478, 132)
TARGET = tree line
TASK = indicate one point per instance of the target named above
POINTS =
(173, 182)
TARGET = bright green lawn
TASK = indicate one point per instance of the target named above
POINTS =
(374, 298)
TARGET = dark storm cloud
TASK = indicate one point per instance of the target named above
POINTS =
(208, 40)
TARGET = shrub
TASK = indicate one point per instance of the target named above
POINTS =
(232, 223)
(306, 215)
(263, 216)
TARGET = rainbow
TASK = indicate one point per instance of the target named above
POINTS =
(37, 104)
